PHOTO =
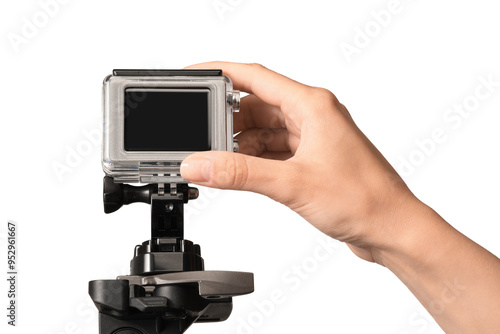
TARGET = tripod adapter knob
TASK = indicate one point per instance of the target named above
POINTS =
(117, 194)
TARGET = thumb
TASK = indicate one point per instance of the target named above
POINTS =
(227, 170)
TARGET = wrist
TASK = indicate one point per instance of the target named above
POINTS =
(412, 236)
(455, 279)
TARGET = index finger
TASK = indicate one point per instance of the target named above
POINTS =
(271, 87)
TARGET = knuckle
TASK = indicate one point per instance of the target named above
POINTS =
(265, 136)
(256, 66)
(238, 176)
(321, 99)
(323, 95)
(231, 172)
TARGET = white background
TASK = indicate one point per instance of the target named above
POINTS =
(398, 87)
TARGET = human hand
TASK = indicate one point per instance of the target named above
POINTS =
(300, 146)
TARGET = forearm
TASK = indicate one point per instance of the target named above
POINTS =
(455, 279)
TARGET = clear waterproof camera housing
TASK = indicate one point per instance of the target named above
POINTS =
(154, 119)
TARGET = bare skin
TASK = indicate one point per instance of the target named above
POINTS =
(288, 130)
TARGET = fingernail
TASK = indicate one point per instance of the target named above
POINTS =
(196, 169)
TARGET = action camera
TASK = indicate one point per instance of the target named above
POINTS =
(154, 119)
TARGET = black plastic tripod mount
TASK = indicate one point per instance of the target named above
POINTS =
(168, 288)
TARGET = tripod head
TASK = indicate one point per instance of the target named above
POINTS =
(167, 289)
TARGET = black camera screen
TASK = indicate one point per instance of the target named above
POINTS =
(163, 120)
